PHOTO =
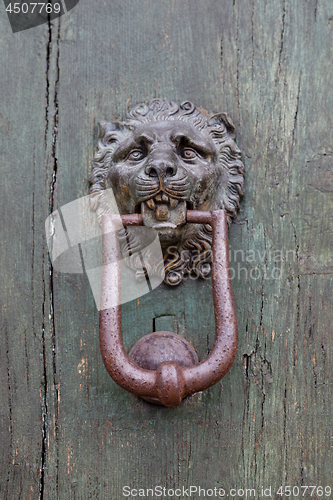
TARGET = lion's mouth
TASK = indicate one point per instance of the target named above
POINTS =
(163, 212)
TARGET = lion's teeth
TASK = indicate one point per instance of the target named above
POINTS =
(158, 197)
(173, 203)
(162, 213)
(165, 197)
(151, 204)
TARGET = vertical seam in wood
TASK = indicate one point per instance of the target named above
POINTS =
(44, 408)
(54, 160)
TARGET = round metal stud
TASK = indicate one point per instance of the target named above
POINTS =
(157, 347)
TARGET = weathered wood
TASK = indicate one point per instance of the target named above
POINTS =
(27, 370)
(68, 431)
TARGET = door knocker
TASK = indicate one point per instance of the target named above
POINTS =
(178, 171)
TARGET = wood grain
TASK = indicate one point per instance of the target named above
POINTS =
(68, 432)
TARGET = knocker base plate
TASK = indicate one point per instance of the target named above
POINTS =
(155, 348)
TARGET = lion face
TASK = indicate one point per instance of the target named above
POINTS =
(161, 170)
(162, 160)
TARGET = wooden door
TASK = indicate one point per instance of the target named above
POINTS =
(67, 430)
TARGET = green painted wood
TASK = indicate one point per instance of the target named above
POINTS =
(28, 374)
(168, 323)
(68, 432)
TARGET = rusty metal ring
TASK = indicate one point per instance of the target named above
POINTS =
(170, 382)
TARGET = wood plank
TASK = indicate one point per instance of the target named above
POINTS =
(27, 357)
(252, 60)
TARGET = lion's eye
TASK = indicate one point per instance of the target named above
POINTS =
(136, 155)
(188, 154)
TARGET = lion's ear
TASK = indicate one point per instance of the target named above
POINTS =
(110, 132)
(224, 118)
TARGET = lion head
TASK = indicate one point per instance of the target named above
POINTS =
(161, 160)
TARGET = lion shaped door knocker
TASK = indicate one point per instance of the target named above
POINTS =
(177, 170)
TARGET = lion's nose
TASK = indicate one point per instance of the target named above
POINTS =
(161, 169)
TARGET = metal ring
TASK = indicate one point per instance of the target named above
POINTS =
(169, 383)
